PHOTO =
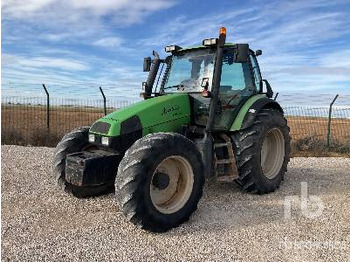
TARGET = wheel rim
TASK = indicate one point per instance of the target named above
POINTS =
(170, 194)
(272, 153)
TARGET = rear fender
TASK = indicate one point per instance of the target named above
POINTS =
(249, 111)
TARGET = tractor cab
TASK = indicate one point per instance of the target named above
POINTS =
(191, 70)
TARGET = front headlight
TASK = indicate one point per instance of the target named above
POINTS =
(91, 138)
(105, 141)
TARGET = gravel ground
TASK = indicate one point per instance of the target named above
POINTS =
(41, 223)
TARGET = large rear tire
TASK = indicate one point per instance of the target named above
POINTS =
(262, 152)
(160, 181)
(72, 142)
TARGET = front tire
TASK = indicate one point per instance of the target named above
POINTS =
(160, 181)
(262, 152)
(72, 142)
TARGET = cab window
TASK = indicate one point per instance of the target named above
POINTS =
(236, 78)
(235, 87)
(256, 70)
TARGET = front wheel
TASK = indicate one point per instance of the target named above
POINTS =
(74, 141)
(160, 181)
(262, 152)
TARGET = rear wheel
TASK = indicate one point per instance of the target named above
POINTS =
(262, 152)
(160, 181)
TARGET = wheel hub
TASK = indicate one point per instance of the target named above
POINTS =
(171, 184)
(272, 153)
(161, 180)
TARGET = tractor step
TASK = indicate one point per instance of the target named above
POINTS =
(225, 161)
(220, 145)
(228, 165)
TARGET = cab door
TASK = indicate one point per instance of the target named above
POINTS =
(236, 86)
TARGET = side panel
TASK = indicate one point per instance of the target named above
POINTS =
(237, 124)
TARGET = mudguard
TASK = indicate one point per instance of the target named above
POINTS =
(250, 109)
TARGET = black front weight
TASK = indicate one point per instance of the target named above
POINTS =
(92, 168)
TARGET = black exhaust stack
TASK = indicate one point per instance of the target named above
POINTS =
(152, 74)
(208, 141)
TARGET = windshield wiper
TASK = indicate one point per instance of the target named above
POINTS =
(175, 86)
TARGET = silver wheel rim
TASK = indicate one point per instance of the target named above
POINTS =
(180, 184)
(272, 153)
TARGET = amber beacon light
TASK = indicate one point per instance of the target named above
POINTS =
(223, 31)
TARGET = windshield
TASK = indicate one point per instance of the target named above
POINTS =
(188, 70)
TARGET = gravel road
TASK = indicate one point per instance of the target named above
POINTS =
(41, 223)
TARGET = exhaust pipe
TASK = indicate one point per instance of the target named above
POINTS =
(152, 74)
(207, 144)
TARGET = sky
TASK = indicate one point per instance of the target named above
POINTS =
(75, 46)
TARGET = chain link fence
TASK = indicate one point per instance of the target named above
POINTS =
(44, 120)
(314, 121)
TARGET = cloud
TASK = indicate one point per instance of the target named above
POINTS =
(73, 21)
(46, 41)
(69, 75)
(109, 42)
(304, 42)
(19, 9)
(7, 59)
(31, 27)
(184, 30)
(336, 59)
(295, 37)
(44, 62)
(65, 64)
(123, 11)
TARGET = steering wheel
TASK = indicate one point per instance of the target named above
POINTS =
(228, 103)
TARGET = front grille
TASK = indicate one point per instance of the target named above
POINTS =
(100, 127)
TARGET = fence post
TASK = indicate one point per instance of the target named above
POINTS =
(329, 121)
(276, 96)
(47, 108)
(104, 101)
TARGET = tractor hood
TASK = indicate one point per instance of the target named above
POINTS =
(166, 113)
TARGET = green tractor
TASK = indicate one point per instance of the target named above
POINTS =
(206, 114)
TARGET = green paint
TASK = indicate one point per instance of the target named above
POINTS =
(159, 114)
(237, 124)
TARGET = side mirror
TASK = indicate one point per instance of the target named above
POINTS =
(147, 64)
(269, 92)
(205, 84)
(258, 52)
(241, 53)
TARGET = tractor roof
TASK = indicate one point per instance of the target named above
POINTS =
(201, 46)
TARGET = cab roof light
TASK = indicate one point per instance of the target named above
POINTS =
(222, 31)
(172, 48)
(210, 41)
